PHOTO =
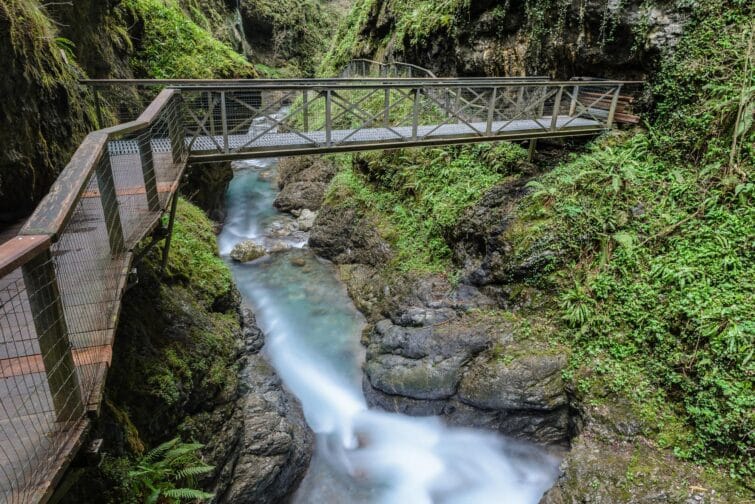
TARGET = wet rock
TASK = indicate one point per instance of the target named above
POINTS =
(275, 445)
(299, 262)
(254, 338)
(528, 381)
(246, 251)
(268, 444)
(299, 195)
(343, 236)
(306, 219)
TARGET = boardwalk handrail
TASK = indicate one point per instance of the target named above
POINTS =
(61, 282)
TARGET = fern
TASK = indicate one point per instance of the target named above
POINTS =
(187, 494)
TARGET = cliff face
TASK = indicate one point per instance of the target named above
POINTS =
(44, 111)
(600, 38)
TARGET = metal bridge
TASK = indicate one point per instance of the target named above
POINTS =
(271, 118)
(63, 276)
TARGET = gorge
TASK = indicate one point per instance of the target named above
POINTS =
(458, 323)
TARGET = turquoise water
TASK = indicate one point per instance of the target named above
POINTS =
(312, 339)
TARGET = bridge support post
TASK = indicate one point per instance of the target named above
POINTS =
(531, 150)
(573, 105)
(109, 200)
(177, 134)
(387, 106)
(52, 333)
(171, 221)
(224, 122)
(148, 170)
(415, 114)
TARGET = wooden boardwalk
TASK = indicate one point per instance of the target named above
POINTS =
(36, 442)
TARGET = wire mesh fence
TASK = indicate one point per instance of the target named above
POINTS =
(61, 282)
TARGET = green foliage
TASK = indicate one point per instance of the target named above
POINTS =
(417, 194)
(171, 45)
(157, 475)
(413, 23)
(658, 280)
(194, 255)
(290, 35)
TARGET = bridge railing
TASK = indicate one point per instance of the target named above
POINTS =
(369, 68)
(61, 282)
(269, 118)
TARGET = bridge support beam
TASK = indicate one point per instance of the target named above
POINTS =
(531, 150)
(52, 333)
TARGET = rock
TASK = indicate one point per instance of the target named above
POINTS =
(528, 381)
(305, 169)
(268, 443)
(299, 195)
(275, 445)
(343, 236)
(246, 251)
(306, 219)
(299, 262)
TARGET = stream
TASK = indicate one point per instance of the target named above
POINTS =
(312, 339)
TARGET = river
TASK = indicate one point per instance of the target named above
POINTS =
(312, 339)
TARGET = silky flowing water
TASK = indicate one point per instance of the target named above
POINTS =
(312, 339)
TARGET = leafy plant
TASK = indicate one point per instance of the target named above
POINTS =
(157, 475)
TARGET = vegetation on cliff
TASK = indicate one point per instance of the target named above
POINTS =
(415, 195)
(171, 44)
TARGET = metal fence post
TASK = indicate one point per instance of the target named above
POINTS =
(491, 112)
(612, 111)
(148, 170)
(177, 134)
(415, 114)
(52, 333)
(556, 108)
(109, 200)
(328, 118)
(305, 110)
(224, 122)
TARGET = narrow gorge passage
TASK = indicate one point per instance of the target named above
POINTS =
(312, 339)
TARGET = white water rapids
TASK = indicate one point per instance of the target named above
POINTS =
(312, 339)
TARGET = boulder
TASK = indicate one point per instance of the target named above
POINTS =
(306, 219)
(528, 381)
(246, 251)
(299, 195)
(344, 236)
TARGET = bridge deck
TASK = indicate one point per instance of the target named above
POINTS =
(282, 143)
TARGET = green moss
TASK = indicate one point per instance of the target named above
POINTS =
(415, 195)
(412, 23)
(289, 35)
(171, 45)
(194, 255)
